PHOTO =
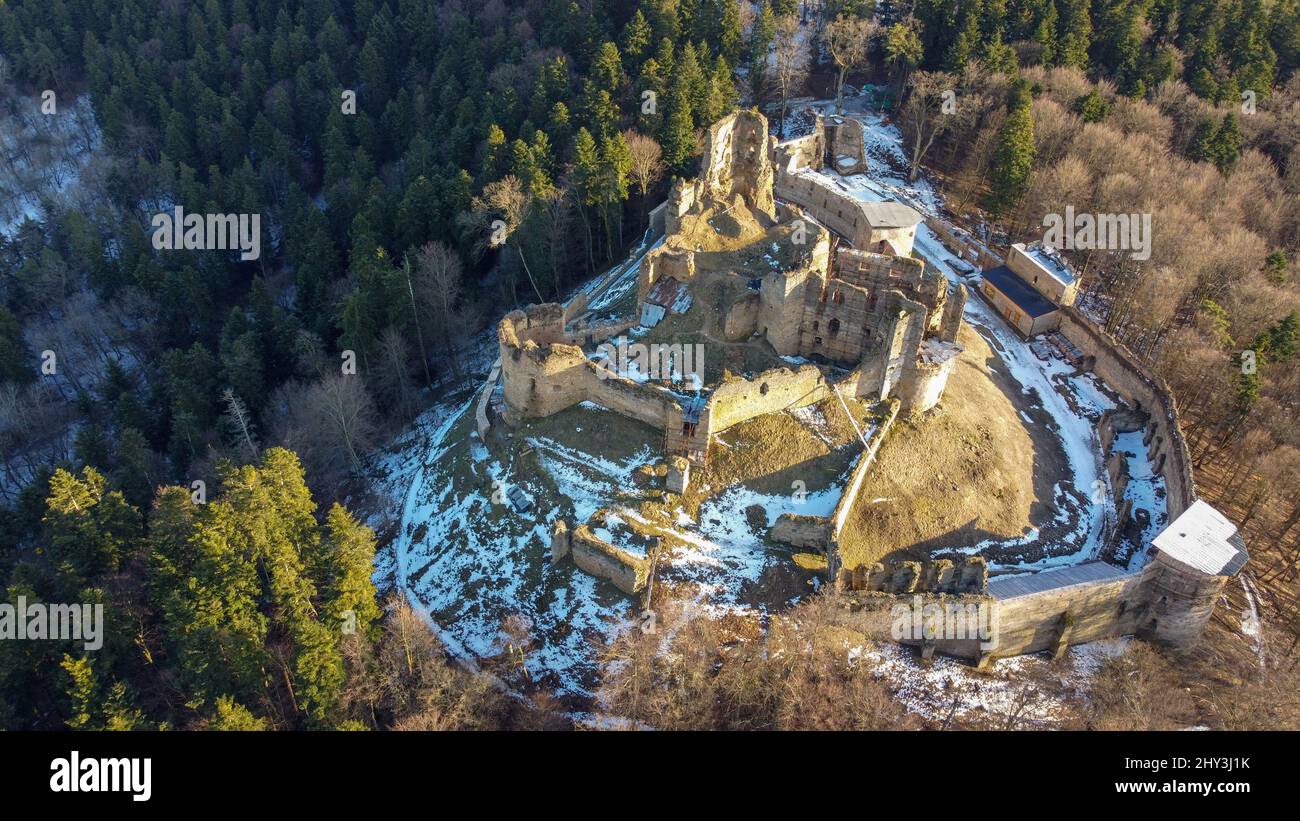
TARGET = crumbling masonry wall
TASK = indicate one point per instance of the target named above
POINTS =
(906, 578)
(738, 399)
(541, 380)
(738, 160)
(597, 557)
(665, 261)
(846, 148)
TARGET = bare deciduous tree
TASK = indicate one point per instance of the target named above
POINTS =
(926, 113)
(847, 40)
(647, 160)
(330, 424)
(790, 57)
(440, 294)
(496, 216)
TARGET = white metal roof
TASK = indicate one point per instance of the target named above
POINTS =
(890, 214)
(1203, 539)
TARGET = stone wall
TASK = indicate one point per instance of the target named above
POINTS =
(953, 307)
(678, 263)
(1180, 601)
(1145, 390)
(589, 333)
(738, 160)
(597, 557)
(737, 399)
(969, 251)
(1075, 614)
(845, 147)
(850, 495)
(797, 530)
(785, 293)
(799, 153)
(925, 385)
(741, 321)
(837, 211)
(906, 578)
(544, 379)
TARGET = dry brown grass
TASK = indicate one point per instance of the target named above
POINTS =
(963, 473)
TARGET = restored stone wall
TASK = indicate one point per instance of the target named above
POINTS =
(898, 241)
(1180, 601)
(1098, 610)
(1160, 604)
(834, 209)
(1145, 390)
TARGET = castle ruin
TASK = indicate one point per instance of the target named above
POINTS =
(824, 288)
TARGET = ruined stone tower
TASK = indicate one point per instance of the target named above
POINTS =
(1191, 561)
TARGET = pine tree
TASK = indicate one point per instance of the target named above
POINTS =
(1013, 159)
(636, 37)
(678, 140)
(346, 567)
(1074, 33)
(88, 528)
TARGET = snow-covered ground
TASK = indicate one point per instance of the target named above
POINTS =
(1014, 693)
(1145, 488)
(42, 156)
(470, 561)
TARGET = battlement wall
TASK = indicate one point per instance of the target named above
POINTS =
(1142, 388)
